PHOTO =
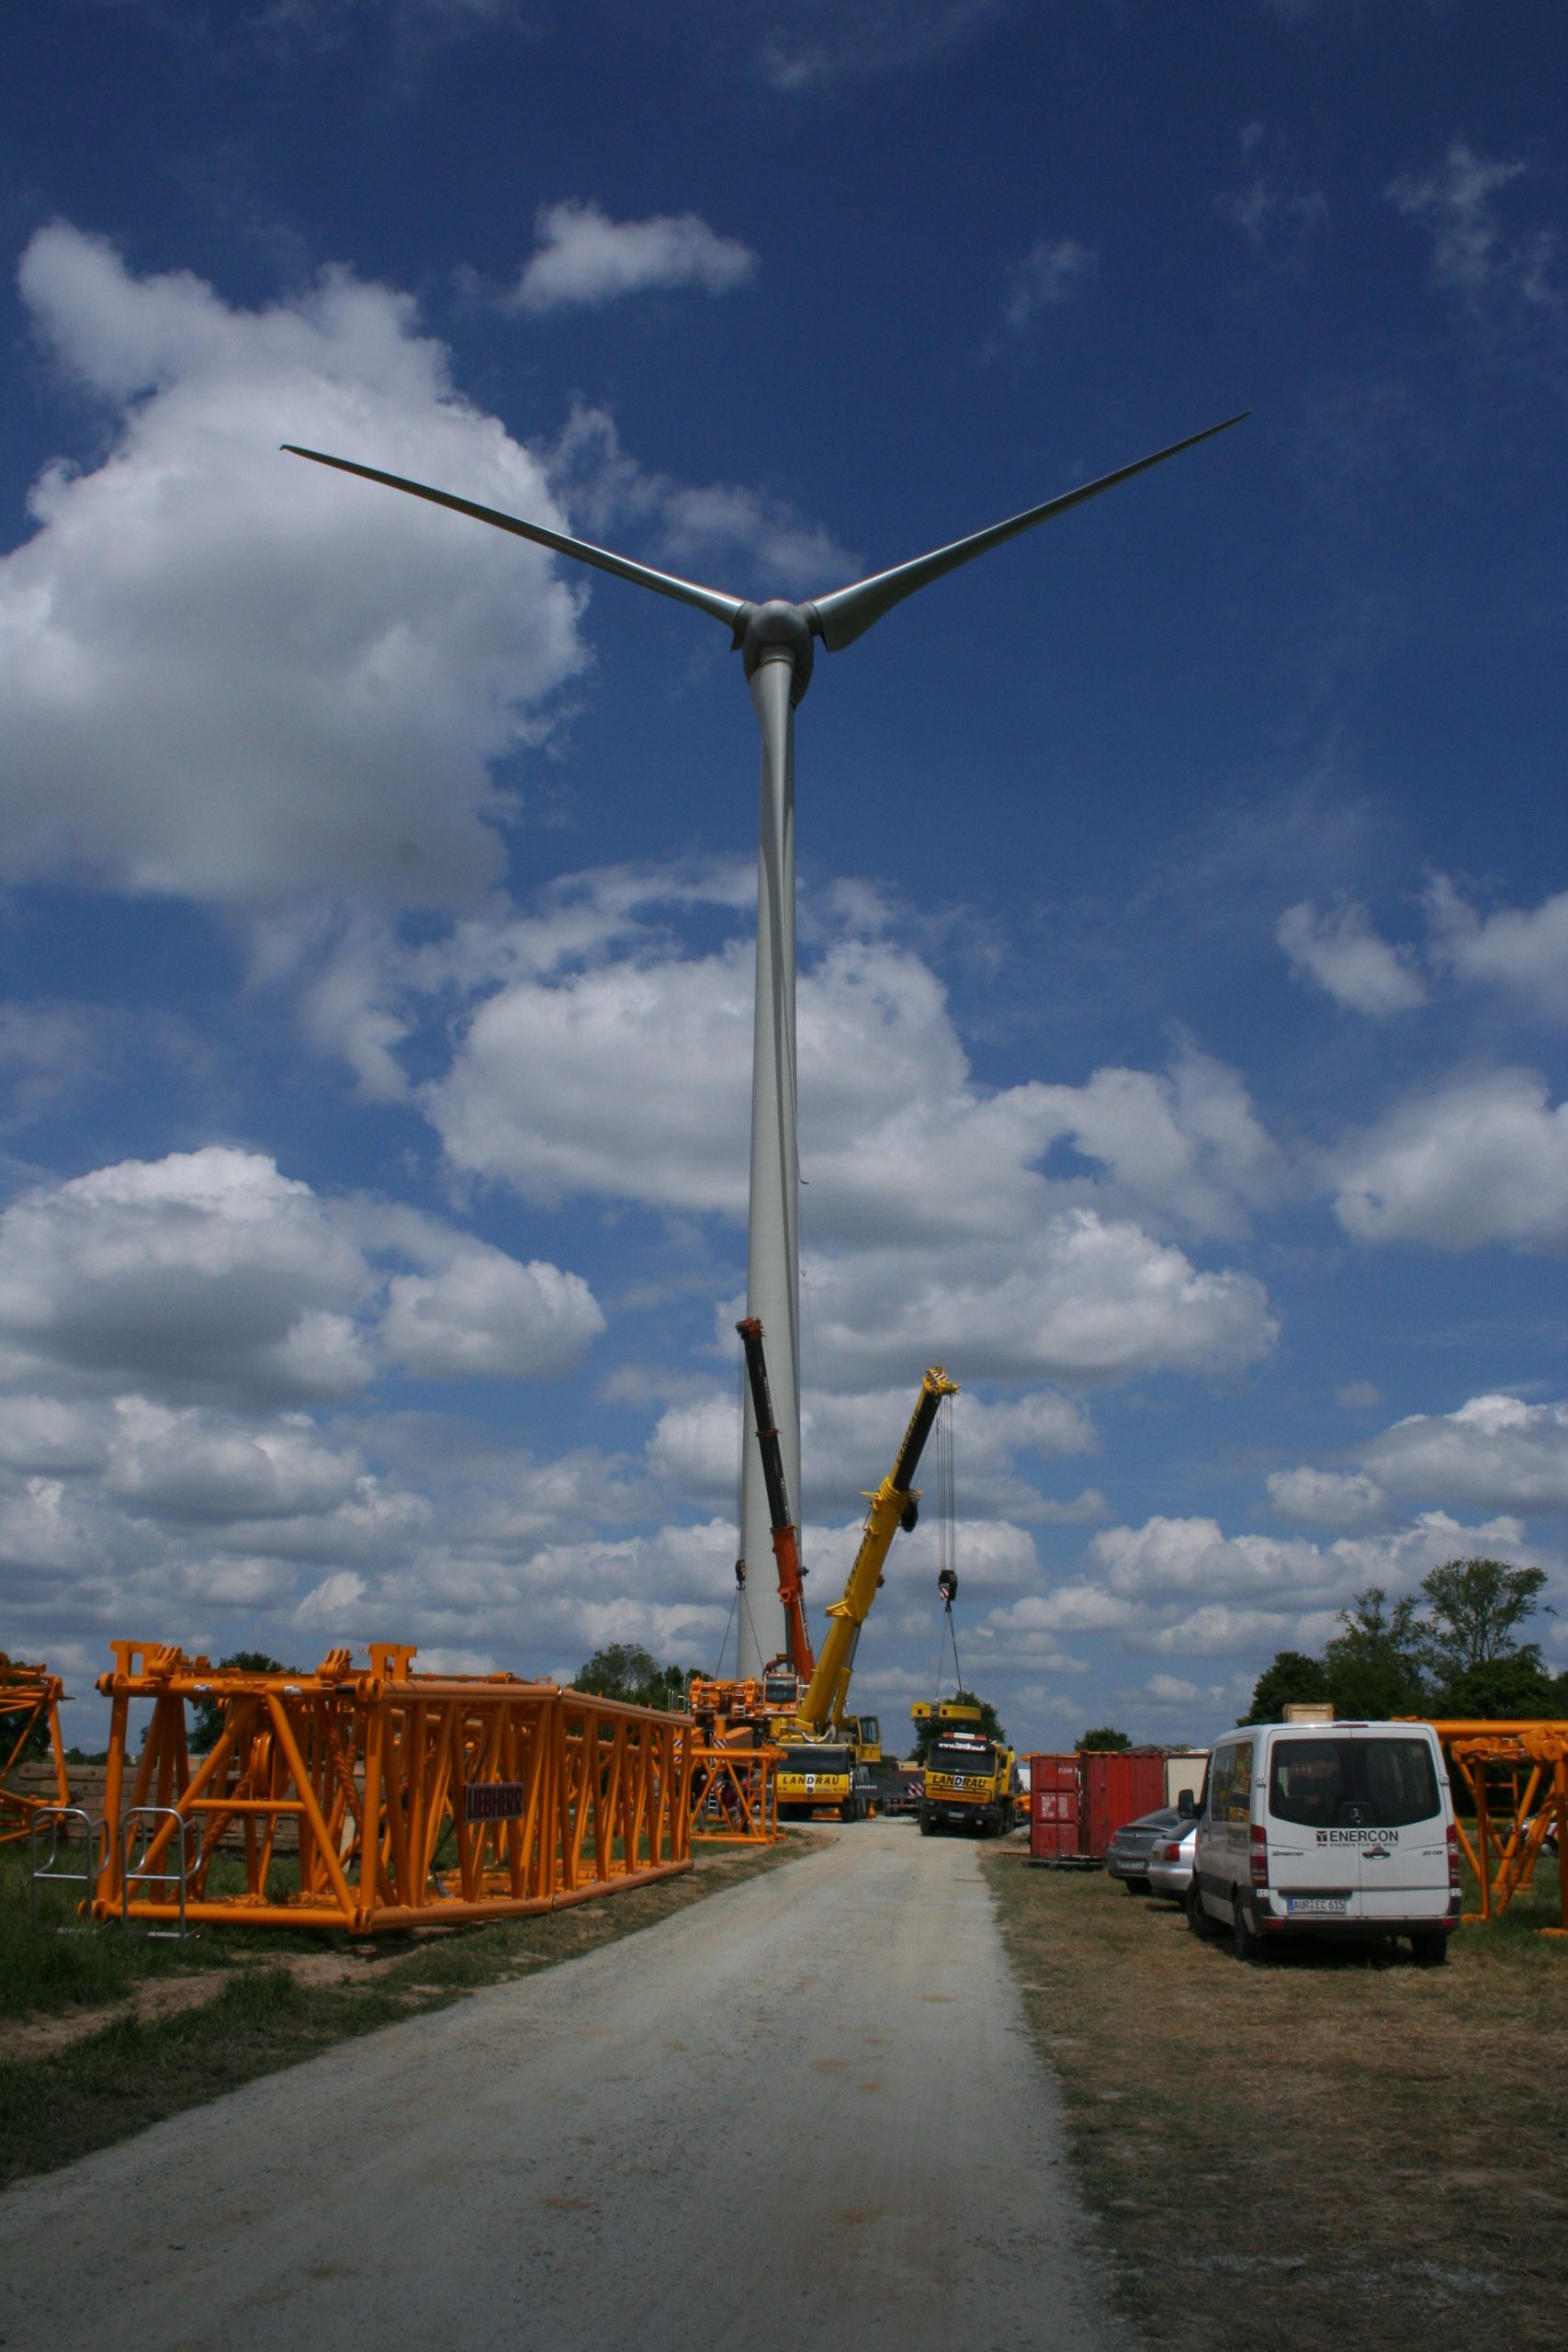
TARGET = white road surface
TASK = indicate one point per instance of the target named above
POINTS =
(638, 2149)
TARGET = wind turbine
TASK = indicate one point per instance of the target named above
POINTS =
(775, 640)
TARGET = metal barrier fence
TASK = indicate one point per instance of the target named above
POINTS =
(415, 1797)
(734, 1795)
(54, 1823)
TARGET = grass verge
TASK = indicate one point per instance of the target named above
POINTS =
(265, 2015)
(1332, 2146)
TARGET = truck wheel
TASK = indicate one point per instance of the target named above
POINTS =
(848, 1810)
(1244, 1934)
(927, 1824)
(1429, 1951)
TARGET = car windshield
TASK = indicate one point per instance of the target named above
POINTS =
(959, 1759)
(1152, 1825)
(1352, 1783)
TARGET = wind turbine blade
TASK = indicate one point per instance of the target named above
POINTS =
(848, 613)
(726, 609)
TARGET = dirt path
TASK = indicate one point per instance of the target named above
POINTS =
(636, 2149)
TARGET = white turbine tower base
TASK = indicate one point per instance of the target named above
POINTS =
(776, 641)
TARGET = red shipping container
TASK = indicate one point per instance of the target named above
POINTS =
(1054, 1809)
(1119, 1787)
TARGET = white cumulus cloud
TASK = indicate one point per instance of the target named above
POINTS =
(227, 673)
(584, 259)
(1343, 954)
(1521, 948)
(1498, 1452)
(206, 1273)
(1333, 1498)
(1084, 1300)
(926, 1188)
(485, 1313)
(1481, 1160)
(210, 1277)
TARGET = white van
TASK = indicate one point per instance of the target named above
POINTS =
(1337, 1830)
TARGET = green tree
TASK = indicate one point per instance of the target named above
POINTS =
(1292, 1679)
(1474, 1611)
(208, 1720)
(930, 1727)
(625, 1671)
(1375, 1666)
(1500, 1689)
(1104, 1737)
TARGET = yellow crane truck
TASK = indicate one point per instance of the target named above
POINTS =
(824, 1740)
(970, 1780)
(803, 1704)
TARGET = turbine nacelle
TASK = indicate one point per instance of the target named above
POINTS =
(778, 631)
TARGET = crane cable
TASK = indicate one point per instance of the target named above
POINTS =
(946, 1541)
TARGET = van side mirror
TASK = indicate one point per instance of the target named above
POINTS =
(1185, 1805)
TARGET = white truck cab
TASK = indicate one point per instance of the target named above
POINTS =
(1337, 1830)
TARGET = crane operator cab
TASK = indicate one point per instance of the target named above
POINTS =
(781, 1685)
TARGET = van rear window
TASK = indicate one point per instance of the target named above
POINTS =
(1352, 1783)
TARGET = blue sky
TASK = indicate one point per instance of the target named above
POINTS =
(1184, 905)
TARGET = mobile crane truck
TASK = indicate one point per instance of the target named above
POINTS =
(827, 1750)
(969, 1779)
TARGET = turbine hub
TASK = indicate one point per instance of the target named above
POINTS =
(777, 631)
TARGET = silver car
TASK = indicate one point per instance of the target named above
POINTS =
(1171, 1863)
(1127, 1856)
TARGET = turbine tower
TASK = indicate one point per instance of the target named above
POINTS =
(776, 641)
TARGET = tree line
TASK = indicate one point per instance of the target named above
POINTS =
(1454, 1647)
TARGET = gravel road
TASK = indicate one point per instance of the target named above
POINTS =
(638, 2149)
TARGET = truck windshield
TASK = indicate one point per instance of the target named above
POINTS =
(959, 1759)
(1352, 1783)
(820, 1760)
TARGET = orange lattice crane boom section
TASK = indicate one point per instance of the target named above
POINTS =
(28, 1695)
(406, 1797)
(1516, 1775)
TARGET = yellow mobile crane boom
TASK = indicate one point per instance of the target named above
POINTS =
(826, 1750)
(823, 1746)
(895, 1504)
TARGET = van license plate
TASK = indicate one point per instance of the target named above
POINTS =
(1319, 1903)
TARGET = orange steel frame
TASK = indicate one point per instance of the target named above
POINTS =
(734, 1795)
(416, 1797)
(1509, 1835)
(27, 1692)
